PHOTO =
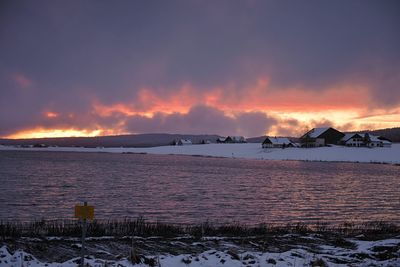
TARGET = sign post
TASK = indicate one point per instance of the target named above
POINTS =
(84, 212)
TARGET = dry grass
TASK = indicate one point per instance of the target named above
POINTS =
(143, 228)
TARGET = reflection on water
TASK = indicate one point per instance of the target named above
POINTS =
(185, 189)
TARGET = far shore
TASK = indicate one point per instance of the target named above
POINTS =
(380, 155)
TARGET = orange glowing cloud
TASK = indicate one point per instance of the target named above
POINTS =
(344, 106)
(51, 114)
(261, 97)
(340, 105)
(257, 97)
(148, 102)
(43, 133)
(180, 100)
(106, 111)
(21, 80)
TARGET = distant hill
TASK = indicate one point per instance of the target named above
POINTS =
(155, 139)
(139, 140)
(393, 134)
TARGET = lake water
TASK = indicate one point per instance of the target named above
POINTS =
(185, 189)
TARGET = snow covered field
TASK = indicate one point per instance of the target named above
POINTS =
(254, 151)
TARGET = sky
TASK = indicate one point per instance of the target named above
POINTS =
(87, 68)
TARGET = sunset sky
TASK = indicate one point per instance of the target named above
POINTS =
(86, 68)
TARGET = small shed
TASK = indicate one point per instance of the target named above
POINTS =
(184, 142)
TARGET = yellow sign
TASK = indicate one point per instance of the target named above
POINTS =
(84, 212)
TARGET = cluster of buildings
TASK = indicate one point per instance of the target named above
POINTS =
(231, 139)
(182, 142)
(316, 137)
(319, 137)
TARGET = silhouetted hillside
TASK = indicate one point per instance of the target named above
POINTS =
(392, 134)
(148, 140)
(139, 140)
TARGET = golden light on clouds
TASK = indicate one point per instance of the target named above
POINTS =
(294, 109)
(257, 96)
(21, 80)
(242, 72)
(288, 124)
(49, 133)
(51, 114)
(106, 111)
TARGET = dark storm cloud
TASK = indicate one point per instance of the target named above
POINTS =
(72, 52)
(201, 119)
(254, 123)
(293, 127)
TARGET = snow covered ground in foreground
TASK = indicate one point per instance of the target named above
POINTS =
(365, 254)
(254, 151)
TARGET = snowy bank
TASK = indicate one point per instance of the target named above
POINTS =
(130, 243)
(364, 253)
(389, 155)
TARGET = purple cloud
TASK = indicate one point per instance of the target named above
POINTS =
(203, 120)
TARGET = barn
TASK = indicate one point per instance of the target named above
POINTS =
(317, 137)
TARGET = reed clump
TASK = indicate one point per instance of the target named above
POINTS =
(142, 228)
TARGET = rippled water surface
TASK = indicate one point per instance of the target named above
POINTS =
(186, 189)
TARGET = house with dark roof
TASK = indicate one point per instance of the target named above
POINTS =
(221, 140)
(277, 142)
(318, 137)
(234, 139)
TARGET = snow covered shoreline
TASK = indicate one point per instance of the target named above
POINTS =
(146, 244)
(308, 250)
(388, 155)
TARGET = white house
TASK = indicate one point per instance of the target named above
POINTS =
(364, 140)
(353, 139)
(277, 142)
(184, 142)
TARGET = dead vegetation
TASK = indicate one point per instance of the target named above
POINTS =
(142, 228)
(137, 239)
